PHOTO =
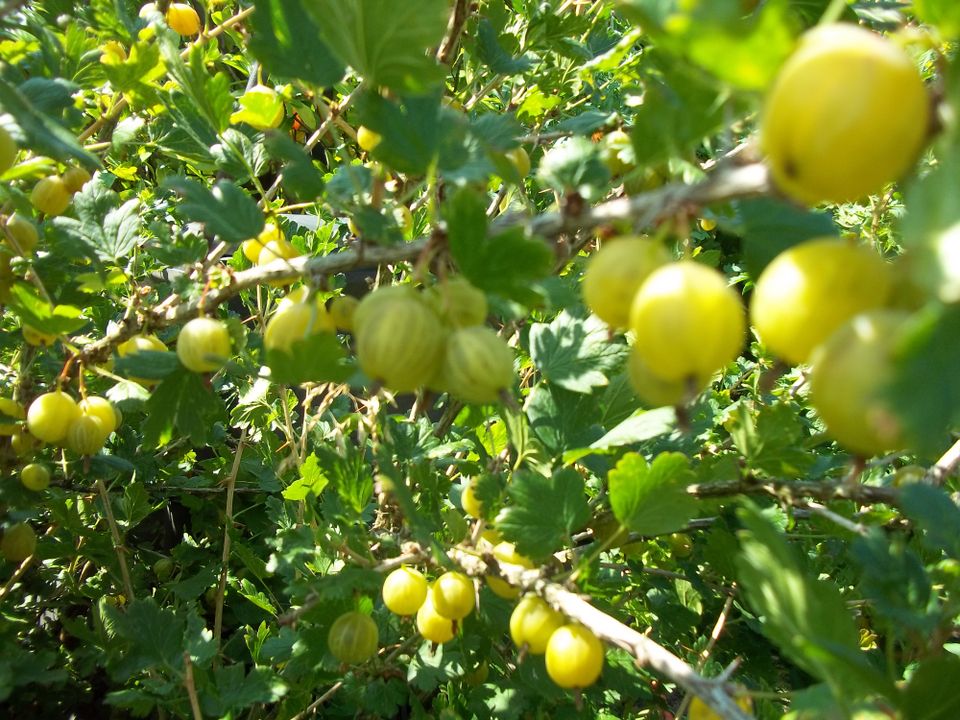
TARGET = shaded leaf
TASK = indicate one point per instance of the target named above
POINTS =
(182, 402)
(504, 264)
(226, 210)
(384, 41)
(285, 38)
(33, 128)
(575, 353)
(543, 511)
(319, 358)
(806, 618)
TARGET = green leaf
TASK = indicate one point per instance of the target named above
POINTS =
(182, 402)
(574, 353)
(894, 582)
(208, 94)
(235, 690)
(154, 636)
(104, 228)
(543, 512)
(645, 425)
(575, 165)
(935, 512)
(35, 129)
(931, 228)
(384, 41)
(494, 56)
(932, 692)
(504, 264)
(300, 176)
(744, 49)
(137, 74)
(806, 618)
(50, 97)
(410, 128)
(925, 392)
(770, 226)
(37, 312)
(771, 440)
(562, 419)
(312, 481)
(319, 358)
(680, 107)
(147, 364)
(226, 210)
(652, 499)
(285, 38)
(943, 14)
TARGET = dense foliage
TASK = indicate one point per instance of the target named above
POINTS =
(648, 310)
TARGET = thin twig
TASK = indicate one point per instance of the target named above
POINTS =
(643, 210)
(791, 491)
(117, 541)
(312, 707)
(451, 39)
(833, 517)
(17, 574)
(227, 526)
(191, 687)
(646, 651)
(945, 466)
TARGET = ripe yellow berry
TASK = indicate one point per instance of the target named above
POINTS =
(23, 233)
(507, 556)
(204, 345)
(18, 542)
(37, 338)
(367, 139)
(654, 391)
(103, 410)
(35, 476)
(574, 657)
(469, 501)
(477, 365)
(141, 343)
(50, 416)
(86, 435)
(14, 411)
(433, 626)
(342, 311)
(399, 343)
(615, 273)
(50, 195)
(296, 321)
(404, 591)
(688, 322)
(848, 383)
(8, 151)
(847, 114)
(183, 19)
(700, 711)
(453, 595)
(353, 638)
(808, 291)
(458, 302)
(532, 623)
(75, 178)
(520, 160)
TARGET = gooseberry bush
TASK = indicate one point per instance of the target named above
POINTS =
(452, 359)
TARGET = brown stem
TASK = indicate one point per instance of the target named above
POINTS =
(227, 526)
